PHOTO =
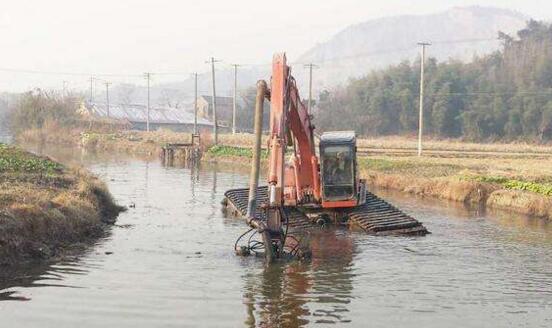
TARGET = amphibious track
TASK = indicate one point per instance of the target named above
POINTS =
(376, 216)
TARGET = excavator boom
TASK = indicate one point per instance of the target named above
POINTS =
(290, 124)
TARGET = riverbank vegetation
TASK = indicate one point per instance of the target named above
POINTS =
(47, 208)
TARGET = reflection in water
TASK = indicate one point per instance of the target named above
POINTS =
(36, 275)
(294, 294)
(194, 167)
(215, 169)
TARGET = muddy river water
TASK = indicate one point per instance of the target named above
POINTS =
(169, 263)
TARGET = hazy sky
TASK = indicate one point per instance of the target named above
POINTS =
(133, 36)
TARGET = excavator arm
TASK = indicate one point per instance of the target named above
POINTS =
(296, 182)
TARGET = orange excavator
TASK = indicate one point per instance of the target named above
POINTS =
(308, 189)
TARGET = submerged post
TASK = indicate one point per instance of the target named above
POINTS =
(255, 166)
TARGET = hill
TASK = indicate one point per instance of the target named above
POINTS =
(458, 33)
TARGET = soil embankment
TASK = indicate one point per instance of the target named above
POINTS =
(47, 209)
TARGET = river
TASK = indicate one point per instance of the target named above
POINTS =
(169, 263)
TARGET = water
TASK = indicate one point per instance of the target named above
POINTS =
(169, 263)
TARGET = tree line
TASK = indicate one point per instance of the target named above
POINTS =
(37, 108)
(506, 95)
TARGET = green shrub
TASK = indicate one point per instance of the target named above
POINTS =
(234, 151)
(513, 184)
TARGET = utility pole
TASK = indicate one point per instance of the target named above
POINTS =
(421, 119)
(107, 96)
(147, 76)
(195, 103)
(310, 66)
(235, 97)
(91, 99)
(64, 88)
(215, 123)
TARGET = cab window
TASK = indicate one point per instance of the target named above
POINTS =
(338, 172)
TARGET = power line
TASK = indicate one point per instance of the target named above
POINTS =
(397, 50)
(464, 41)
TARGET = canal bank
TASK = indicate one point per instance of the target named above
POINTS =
(519, 182)
(48, 209)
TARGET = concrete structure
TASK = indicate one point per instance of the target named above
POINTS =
(176, 119)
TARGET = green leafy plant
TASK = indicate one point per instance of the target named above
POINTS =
(220, 150)
(14, 160)
(513, 184)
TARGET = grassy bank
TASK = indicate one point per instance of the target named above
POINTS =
(47, 208)
(514, 176)
(518, 183)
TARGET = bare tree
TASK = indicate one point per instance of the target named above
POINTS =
(125, 93)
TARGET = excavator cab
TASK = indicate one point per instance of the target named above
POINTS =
(338, 169)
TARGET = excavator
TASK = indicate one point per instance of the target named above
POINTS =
(308, 189)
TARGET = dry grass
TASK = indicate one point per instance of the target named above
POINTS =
(46, 208)
(522, 202)
(50, 133)
(493, 182)
(411, 143)
(392, 143)
(524, 169)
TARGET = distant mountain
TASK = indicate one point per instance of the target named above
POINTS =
(458, 33)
